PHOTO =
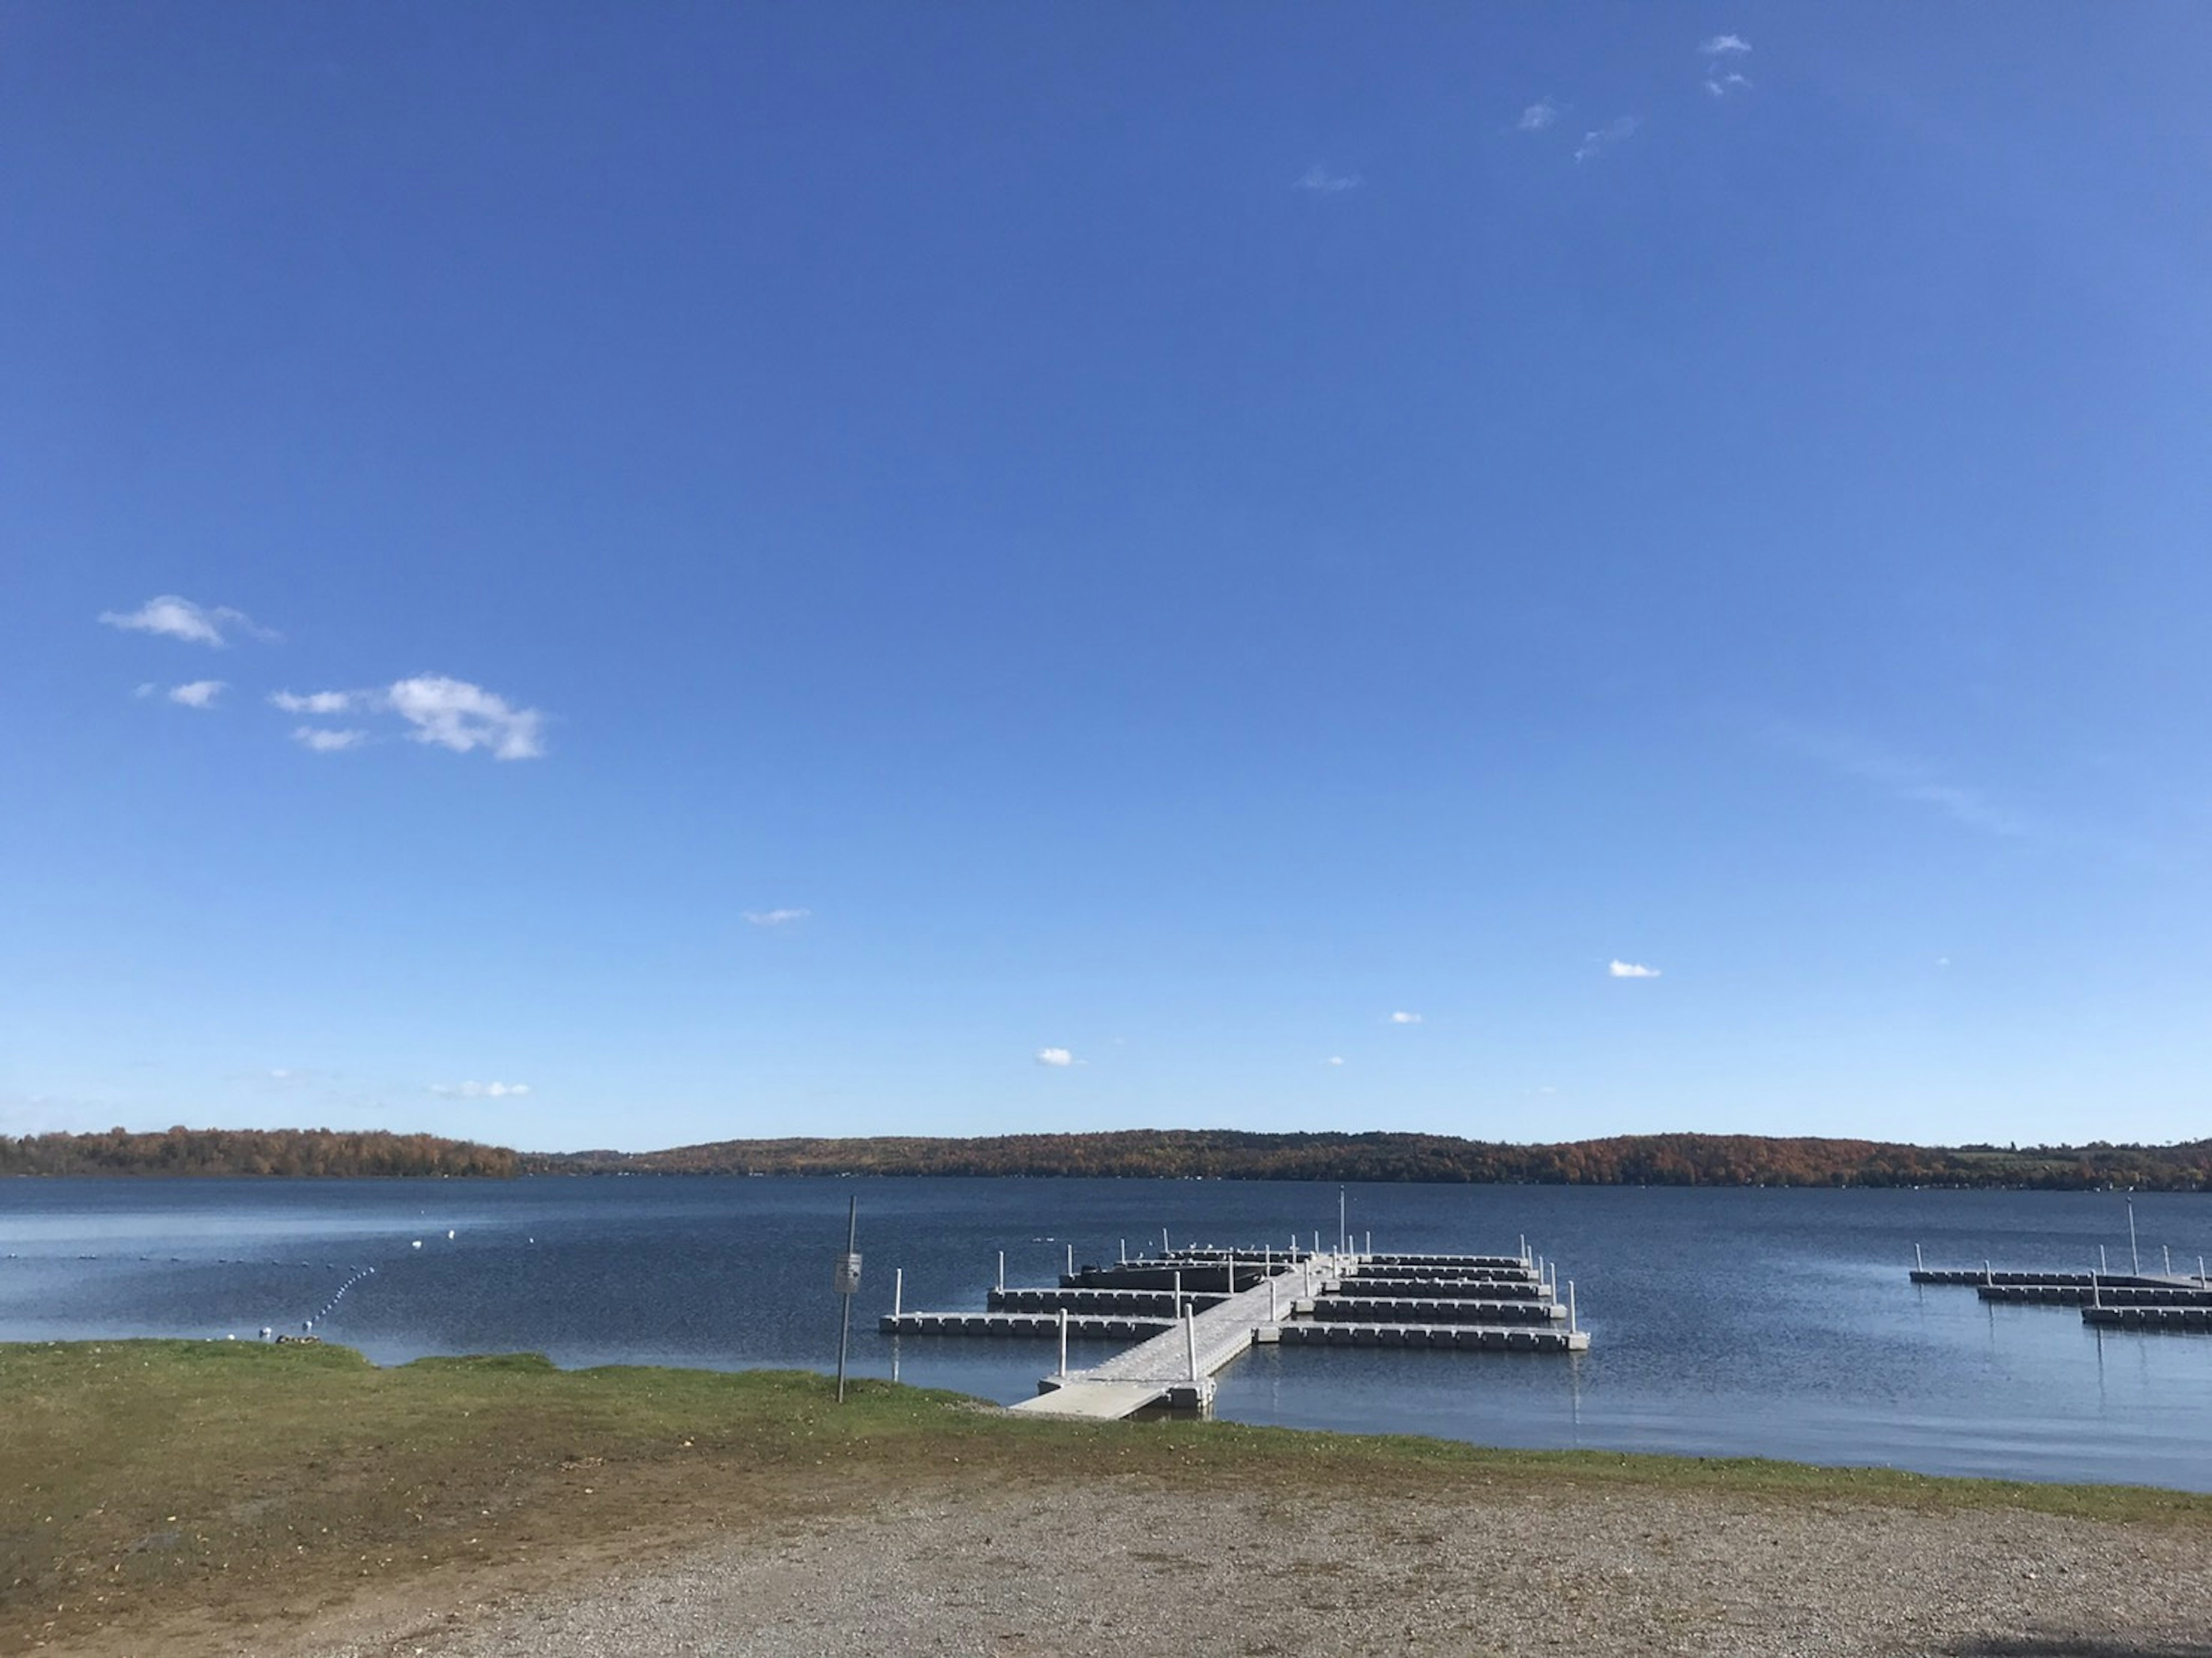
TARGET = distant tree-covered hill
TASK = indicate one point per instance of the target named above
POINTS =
(1634, 1159)
(250, 1151)
(1218, 1154)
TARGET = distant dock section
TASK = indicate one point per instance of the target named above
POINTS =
(1192, 1312)
(2133, 1300)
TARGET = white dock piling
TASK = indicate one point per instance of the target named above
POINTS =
(1070, 1261)
(1919, 1265)
(1570, 1307)
(1063, 1343)
(898, 1288)
(1002, 1271)
(1178, 1292)
(1190, 1341)
(2135, 1255)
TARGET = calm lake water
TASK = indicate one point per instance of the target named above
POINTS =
(1771, 1323)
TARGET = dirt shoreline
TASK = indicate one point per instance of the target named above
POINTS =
(1131, 1565)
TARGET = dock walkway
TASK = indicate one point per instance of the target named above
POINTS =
(1177, 1367)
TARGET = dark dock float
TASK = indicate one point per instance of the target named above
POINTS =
(1140, 1304)
(2103, 1293)
(1512, 1263)
(1465, 1338)
(1447, 1289)
(1391, 1309)
(1086, 1326)
(1969, 1275)
(2192, 1320)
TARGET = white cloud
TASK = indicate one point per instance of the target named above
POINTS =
(457, 715)
(1723, 45)
(776, 917)
(1943, 960)
(1335, 1059)
(1058, 1057)
(1403, 1018)
(481, 1090)
(1720, 85)
(1603, 138)
(200, 694)
(1538, 116)
(314, 701)
(146, 690)
(179, 618)
(1632, 970)
(322, 739)
(1319, 178)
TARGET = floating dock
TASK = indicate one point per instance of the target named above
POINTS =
(1192, 1313)
(2108, 1301)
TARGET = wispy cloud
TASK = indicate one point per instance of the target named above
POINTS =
(1907, 779)
(1728, 45)
(174, 617)
(776, 917)
(200, 694)
(1630, 970)
(474, 1090)
(1326, 180)
(324, 740)
(1334, 1059)
(1721, 84)
(1403, 1017)
(315, 701)
(1597, 140)
(1538, 116)
(1059, 1058)
(452, 714)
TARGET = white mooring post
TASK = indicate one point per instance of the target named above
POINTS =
(1988, 1276)
(1163, 1240)
(898, 1288)
(1570, 1307)
(2135, 1255)
(1919, 1263)
(1002, 1271)
(2200, 1269)
(2096, 1290)
(1070, 1261)
(1178, 1292)
(1190, 1341)
(1525, 1248)
(1125, 1252)
(1271, 1298)
(2169, 1259)
(1063, 1344)
(2101, 1265)
(1370, 1243)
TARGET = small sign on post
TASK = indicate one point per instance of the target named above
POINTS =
(849, 1274)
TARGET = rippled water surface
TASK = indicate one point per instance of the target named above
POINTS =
(1723, 1322)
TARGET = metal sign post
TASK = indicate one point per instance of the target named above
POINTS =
(848, 1285)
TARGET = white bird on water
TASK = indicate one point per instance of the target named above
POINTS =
(449, 1234)
(417, 1244)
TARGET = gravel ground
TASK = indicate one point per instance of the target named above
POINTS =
(1129, 1568)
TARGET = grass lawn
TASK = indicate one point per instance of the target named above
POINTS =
(148, 1480)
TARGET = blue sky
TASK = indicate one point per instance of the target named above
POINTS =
(619, 576)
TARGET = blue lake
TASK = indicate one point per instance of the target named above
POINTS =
(1776, 1323)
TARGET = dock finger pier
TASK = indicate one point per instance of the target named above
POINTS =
(1189, 1313)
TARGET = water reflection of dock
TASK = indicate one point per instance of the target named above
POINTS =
(1191, 1313)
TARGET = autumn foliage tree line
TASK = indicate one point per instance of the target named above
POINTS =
(297, 1151)
(1623, 1160)
(1218, 1154)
